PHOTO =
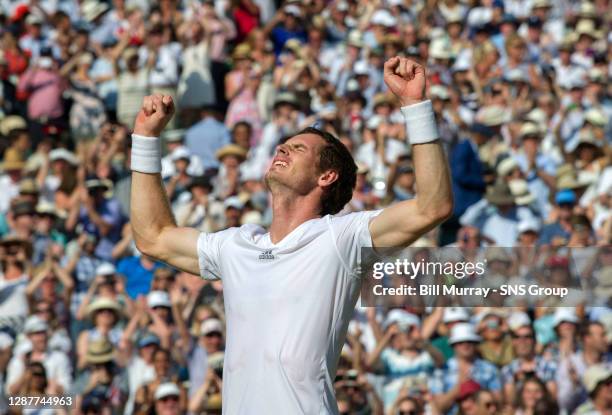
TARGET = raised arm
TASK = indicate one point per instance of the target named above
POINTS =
(404, 222)
(153, 226)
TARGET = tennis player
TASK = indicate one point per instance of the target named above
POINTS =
(290, 293)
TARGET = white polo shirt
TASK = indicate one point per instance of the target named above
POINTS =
(287, 308)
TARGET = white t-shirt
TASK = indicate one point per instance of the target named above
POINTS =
(287, 309)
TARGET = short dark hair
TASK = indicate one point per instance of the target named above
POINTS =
(335, 156)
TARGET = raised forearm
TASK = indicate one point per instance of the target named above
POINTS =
(434, 194)
(149, 211)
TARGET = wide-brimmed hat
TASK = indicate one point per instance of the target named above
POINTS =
(99, 351)
(587, 138)
(129, 53)
(521, 193)
(91, 9)
(242, 51)
(529, 129)
(355, 38)
(35, 324)
(586, 27)
(65, 155)
(28, 186)
(382, 99)
(499, 194)
(286, 98)
(492, 115)
(440, 49)
(232, 150)
(439, 92)
(596, 117)
(46, 208)
(12, 122)
(103, 303)
(565, 314)
(98, 184)
(506, 166)
(463, 332)
(12, 161)
(455, 314)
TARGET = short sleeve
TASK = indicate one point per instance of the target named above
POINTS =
(209, 253)
(351, 233)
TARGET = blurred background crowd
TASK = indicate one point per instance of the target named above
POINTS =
(521, 93)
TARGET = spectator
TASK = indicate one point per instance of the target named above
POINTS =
(56, 364)
(446, 383)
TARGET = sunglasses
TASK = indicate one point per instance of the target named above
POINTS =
(172, 398)
(213, 334)
(523, 337)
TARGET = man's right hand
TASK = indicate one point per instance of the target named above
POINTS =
(156, 112)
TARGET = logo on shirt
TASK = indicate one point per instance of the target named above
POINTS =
(266, 255)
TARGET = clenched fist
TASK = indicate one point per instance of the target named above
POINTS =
(406, 79)
(156, 112)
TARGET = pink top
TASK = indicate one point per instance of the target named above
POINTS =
(44, 90)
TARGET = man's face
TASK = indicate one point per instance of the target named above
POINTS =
(39, 341)
(168, 405)
(523, 342)
(295, 165)
(465, 350)
(597, 338)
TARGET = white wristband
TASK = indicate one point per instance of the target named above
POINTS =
(420, 123)
(146, 154)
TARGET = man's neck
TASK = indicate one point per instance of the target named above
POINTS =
(592, 356)
(289, 212)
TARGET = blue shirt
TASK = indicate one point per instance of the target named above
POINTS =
(483, 372)
(137, 278)
(550, 231)
(545, 370)
(110, 211)
(205, 138)
(280, 36)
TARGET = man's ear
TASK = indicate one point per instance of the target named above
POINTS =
(327, 178)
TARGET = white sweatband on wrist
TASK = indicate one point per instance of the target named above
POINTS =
(421, 124)
(146, 154)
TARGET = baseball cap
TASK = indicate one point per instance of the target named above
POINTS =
(565, 197)
(233, 202)
(361, 68)
(147, 340)
(403, 318)
(35, 324)
(565, 314)
(211, 325)
(181, 153)
(167, 389)
(518, 319)
(105, 268)
(455, 314)
(158, 299)
(467, 389)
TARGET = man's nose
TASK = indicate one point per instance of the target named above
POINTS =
(282, 148)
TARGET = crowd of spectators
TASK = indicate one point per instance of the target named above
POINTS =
(521, 92)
